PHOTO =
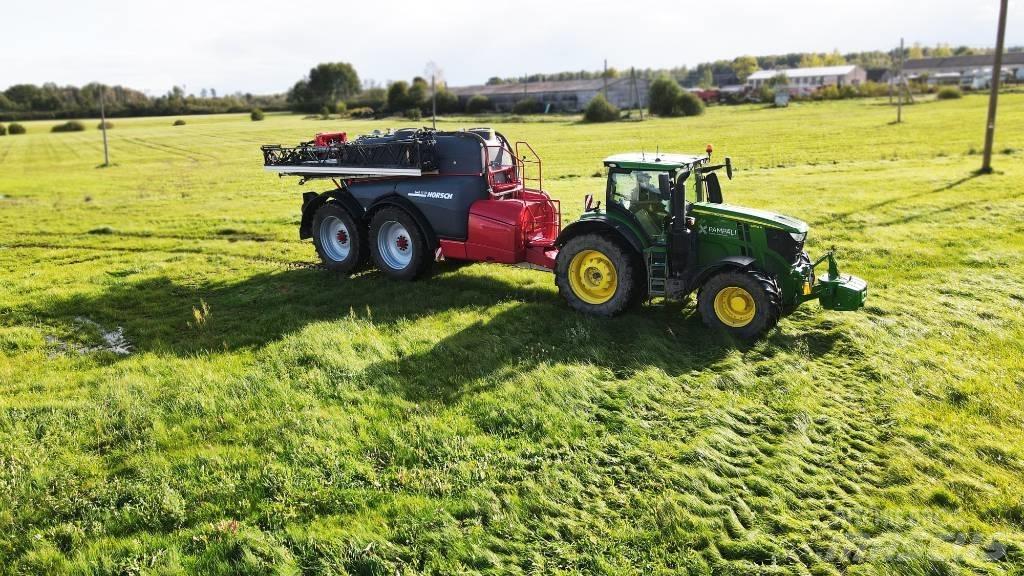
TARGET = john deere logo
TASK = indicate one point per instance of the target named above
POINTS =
(717, 230)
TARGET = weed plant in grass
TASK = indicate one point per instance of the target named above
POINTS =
(268, 419)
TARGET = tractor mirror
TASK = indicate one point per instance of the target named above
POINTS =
(728, 167)
(714, 188)
(664, 185)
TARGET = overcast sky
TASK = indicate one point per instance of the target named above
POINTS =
(262, 47)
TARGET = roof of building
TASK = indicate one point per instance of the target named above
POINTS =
(962, 61)
(804, 72)
(649, 161)
(535, 87)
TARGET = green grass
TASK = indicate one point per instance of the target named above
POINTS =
(279, 420)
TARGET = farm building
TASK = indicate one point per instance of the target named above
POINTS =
(967, 71)
(559, 96)
(802, 80)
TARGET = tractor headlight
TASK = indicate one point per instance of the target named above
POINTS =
(798, 236)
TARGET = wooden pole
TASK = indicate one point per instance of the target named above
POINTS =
(433, 92)
(993, 98)
(103, 126)
(899, 88)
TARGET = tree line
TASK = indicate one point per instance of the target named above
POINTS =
(50, 101)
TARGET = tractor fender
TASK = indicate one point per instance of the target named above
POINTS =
(311, 201)
(727, 263)
(404, 204)
(598, 226)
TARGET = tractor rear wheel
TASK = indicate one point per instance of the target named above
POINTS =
(596, 275)
(397, 244)
(339, 239)
(743, 303)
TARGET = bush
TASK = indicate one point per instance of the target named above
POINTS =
(106, 124)
(527, 106)
(69, 126)
(256, 115)
(663, 96)
(3, 130)
(15, 128)
(477, 104)
(179, 122)
(413, 114)
(362, 112)
(688, 104)
(599, 109)
(949, 93)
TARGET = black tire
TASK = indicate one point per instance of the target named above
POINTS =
(763, 291)
(623, 266)
(340, 249)
(409, 257)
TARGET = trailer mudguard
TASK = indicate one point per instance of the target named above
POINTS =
(405, 204)
(311, 201)
(597, 225)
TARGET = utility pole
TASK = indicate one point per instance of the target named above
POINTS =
(103, 126)
(605, 76)
(433, 108)
(993, 98)
(899, 88)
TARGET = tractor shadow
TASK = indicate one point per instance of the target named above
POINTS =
(533, 327)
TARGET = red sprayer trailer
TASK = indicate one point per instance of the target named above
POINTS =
(413, 196)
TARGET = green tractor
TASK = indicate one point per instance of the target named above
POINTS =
(665, 232)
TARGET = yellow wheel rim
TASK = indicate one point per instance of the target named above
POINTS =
(592, 277)
(734, 306)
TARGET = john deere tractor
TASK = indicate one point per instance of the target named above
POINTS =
(665, 232)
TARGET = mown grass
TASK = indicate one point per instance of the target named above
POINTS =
(279, 420)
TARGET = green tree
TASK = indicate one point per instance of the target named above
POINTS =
(688, 104)
(326, 85)
(834, 59)
(398, 96)
(419, 94)
(744, 66)
(811, 60)
(942, 51)
(707, 79)
(663, 95)
(477, 104)
(599, 109)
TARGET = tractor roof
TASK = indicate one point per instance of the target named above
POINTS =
(648, 161)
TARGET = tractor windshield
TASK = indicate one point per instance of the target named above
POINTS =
(637, 191)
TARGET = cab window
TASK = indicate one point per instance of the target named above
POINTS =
(638, 192)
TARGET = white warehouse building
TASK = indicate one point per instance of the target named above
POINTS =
(802, 80)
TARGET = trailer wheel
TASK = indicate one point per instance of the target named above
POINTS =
(339, 239)
(595, 275)
(743, 303)
(397, 244)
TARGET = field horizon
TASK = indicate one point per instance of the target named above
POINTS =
(180, 393)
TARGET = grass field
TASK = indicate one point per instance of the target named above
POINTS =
(176, 398)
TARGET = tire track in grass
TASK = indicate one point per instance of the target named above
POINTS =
(167, 149)
(180, 149)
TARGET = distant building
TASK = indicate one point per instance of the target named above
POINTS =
(966, 71)
(803, 80)
(559, 96)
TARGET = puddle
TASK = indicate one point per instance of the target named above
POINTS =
(114, 341)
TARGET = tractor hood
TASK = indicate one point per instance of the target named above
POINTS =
(751, 215)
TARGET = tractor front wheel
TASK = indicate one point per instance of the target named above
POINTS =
(743, 303)
(595, 275)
